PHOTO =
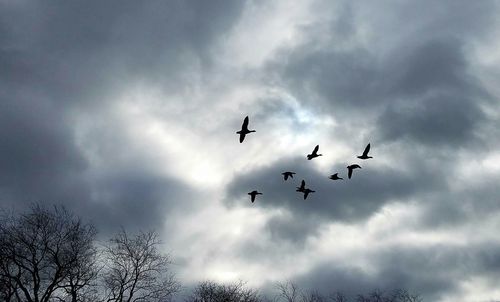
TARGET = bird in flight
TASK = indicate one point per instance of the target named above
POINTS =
(306, 192)
(253, 194)
(244, 129)
(287, 174)
(314, 153)
(365, 153)
(302, 186)
(335, 176)
(350, 168)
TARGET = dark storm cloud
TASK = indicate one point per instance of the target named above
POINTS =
(436, 101)
(429, 65)
(38, 159)
(425, 94)
(470, 203)
(419, 87)
(60, 59)
(137, 199)
(414, 271)
(292, 227)
(347, 200)
(430, 271)
(67, 48)
(440, 119)
(415, 90)
(40, 163)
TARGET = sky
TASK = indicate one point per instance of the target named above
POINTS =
(125, 112)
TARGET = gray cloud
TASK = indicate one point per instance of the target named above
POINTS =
(413, 271)
(441, 119)
(433, 272)
(398, 74)
(38, 158)
(418, 87)
(137, 199)
(61, 59)
(468, 204)
(346, 200)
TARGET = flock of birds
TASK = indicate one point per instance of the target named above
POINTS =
(289, 174)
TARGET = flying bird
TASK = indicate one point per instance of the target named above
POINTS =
(335, 176)
(287, 174)
(244, 129)
(350, 168)
(365, 153)
(253, 194)
(302, 186)
(306, 192)
(314, 153)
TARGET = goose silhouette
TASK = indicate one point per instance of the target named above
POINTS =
(365, 153)
(302, 186)
(306, 192)
(253, 194)
(314, 153)
(351, 168)
(335, 176)
(288, 174)
(244, 129)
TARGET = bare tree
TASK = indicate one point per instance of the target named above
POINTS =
(288, 291)
(291, 292)
(39, 251)
(338, 297)
(136, 270)
(402, 295)
(362, 298)
(8, 288)
(313, 296)
(80, 283)
(379, 296)
(399, 295)
(209, 291)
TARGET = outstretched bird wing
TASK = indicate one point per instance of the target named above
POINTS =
(306, 193)
(315, 151)
(302, 187)
(335, 176)
(367, 149)
(242, 136)
(350, 171)
(245, 124)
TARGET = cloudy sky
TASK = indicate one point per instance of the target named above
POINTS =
(126, 112)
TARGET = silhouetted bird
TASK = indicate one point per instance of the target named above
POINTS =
(365, 153)
(302, 187)
(350, 168)
(287, 174)
(335, 176)
(306, 192)
(314, 153)
(244, 130)
(253, 194)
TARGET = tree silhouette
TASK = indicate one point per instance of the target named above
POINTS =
(209, 291)
(291, 292)
(136, 271)
(39, 252)
(399, 295)
(50, 255)
(288, 291)
(8, 288)
(338, 297)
